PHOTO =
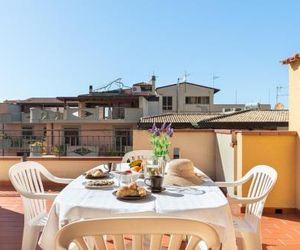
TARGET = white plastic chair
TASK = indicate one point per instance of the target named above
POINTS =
(156, 227)
(248, 228)
(137, 155)
(26, 178)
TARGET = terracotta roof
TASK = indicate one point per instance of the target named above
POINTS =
(41, 100)
(194, 84)
(178, 118)
(254, 116)
(291, 59)
(246, 119)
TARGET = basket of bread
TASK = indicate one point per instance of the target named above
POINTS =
(96, 173)
(131, 192)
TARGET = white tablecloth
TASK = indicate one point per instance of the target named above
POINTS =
(205, 203)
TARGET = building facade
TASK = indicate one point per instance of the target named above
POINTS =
(97, 123)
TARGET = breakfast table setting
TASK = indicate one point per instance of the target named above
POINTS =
(118, 190)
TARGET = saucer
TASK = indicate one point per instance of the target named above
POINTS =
(157, 190)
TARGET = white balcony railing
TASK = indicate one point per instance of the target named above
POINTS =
(86, 114)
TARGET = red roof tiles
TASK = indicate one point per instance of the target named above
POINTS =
(291, 59)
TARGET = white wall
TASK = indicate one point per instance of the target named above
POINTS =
(225, 165)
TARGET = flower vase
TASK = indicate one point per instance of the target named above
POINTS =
(162, 162)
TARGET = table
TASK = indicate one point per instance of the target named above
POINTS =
(205, 203)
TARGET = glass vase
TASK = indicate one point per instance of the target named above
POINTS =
(162, 163)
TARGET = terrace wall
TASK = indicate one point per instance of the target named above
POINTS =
(276, 149)
(198, 146)
(69, 167)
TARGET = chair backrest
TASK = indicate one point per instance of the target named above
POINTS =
(263, 180)
(156, 227)
(137, 155)
(26, 179)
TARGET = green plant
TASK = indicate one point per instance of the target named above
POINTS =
(59, 150)
(160, 139)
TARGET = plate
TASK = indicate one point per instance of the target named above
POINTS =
(156, 190)
(128, 198)
(105, 175)
(86, 185)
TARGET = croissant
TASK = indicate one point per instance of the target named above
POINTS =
(131, 190)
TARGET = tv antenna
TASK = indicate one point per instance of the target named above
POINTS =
(184, 78)
(278, 92)
(214, 77)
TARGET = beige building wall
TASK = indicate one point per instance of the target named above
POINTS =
(294, 116)
(193, 144)
(184, 91)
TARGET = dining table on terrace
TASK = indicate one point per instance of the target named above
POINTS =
(205, 203)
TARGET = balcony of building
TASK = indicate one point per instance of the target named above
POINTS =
(105, 114)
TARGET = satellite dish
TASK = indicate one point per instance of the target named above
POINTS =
(279, 106)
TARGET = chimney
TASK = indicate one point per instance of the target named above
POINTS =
(90, 89)
(153, 81)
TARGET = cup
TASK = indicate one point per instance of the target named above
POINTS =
(111, 166)
(154, 182)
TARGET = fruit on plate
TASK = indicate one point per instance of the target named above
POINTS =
(135, 163)
(136, 166)
(137, 169)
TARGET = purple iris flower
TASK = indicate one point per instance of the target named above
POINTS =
(157, 132)
(170, 131)
(163, 126)
(153, 129)
(169, 126)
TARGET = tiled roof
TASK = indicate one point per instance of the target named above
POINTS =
(41, 100)
(254, 116)
(291, 59)
(179, 118)
(247, 119)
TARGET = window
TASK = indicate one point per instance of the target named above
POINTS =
(71, 136)
(123, 139)
(197, 100)
(27, 133)
(167, 103)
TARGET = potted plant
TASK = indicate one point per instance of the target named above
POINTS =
(37, 148)
(59, 150)
(160, 140)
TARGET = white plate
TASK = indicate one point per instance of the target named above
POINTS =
(89, 186)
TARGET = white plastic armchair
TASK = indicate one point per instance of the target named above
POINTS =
(248, 228)
(26, 177)
(156, 227)
(137, 155)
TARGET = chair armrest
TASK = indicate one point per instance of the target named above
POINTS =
(225, 184)
(245, 200)
(233, 183)
(49, 196)
(60, 180)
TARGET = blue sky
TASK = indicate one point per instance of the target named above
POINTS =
(59, 48)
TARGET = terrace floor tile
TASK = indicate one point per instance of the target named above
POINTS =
(279, 231)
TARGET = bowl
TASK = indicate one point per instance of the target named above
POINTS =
(126, 177)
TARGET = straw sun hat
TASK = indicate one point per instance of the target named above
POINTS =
(181, 172)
